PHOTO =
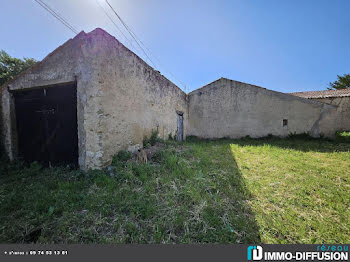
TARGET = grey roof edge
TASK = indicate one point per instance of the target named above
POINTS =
(158, 73)
(322, 94)
(83, 34)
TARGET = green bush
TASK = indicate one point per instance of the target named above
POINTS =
(158, 156)
(154, 137)
(342, 135)
(300, 136)
(121, 157)
(148, 142)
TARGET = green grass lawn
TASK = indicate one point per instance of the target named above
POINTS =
(269, 190)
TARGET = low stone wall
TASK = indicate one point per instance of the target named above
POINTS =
(227, 108)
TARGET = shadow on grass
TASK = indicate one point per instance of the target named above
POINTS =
(194, 193)
(203, 202)
(241, 201)
(228, 196)
(241, 196)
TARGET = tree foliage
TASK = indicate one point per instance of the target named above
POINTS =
(342, 82)
(11, 66)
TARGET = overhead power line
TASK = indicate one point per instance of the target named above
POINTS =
(161, 64)
(130, 32)
(115, 25)
(142, 45)
(138, 41)
(57, 16)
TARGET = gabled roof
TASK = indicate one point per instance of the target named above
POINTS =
(222, 79)
(81, 37)
(323, 94)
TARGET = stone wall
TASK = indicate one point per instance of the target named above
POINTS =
(227, 108)
(343, 107)
(120, 99)
(64, 65)
(134, 99)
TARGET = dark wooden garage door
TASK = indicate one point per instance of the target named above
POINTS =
(47, 125)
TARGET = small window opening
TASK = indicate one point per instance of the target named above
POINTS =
(285, 122)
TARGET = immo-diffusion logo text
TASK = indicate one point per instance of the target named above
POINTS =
(332, 253)
(255, 253)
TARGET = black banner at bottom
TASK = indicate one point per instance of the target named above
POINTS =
(181, 253)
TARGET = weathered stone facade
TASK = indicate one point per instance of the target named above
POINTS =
(120, 100)
(133, 100)
(343, 108)
(227, 108)
(339, 98)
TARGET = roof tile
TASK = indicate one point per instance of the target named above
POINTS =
(323, 94)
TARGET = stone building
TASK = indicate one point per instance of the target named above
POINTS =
(116, 98)
(227, 108)
(92, 97)
(339, 98)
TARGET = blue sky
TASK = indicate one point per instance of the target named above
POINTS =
(286, 46)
